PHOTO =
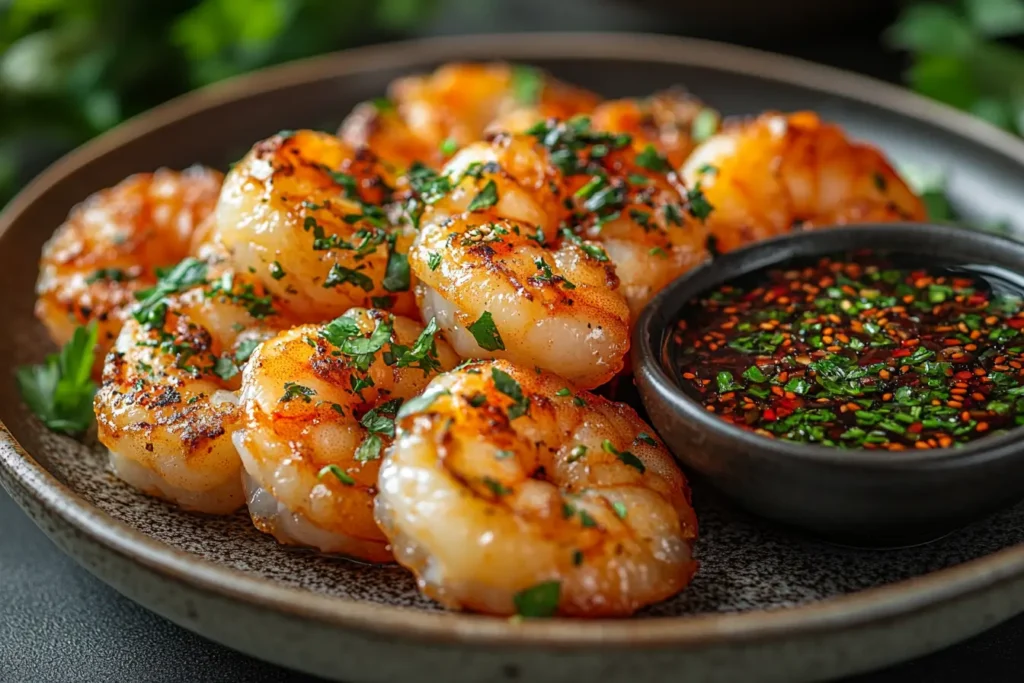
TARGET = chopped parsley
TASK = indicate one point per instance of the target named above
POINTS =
(342, 476)
(245, 349)
(652, 161)
(340, 275)
(486, 198)
(294, 390)
(539, 601)
(527, 84)
(504, 383)
(486, 333)
(590, 249)
(152, 306)
(396, 277)
(434, 260)
(449, 147)
(705, 124)
(225, 368)
(625, 456)
(276, 271)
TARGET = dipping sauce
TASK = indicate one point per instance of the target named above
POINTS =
(859, 350)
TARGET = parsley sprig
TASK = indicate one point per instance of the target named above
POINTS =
(60, 391)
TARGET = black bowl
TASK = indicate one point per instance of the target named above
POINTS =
(861, 497)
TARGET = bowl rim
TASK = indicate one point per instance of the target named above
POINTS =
(912, 596)
(665, 306)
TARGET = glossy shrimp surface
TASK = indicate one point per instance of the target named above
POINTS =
(166, 408)
(505, 486)
(627, 198)
(673, 121)
(427, 116)
(496, 292)
(781, 172)
(303, 212)
(111, 245)
(318, 405)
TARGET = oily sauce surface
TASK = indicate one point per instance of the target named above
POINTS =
(859, 350)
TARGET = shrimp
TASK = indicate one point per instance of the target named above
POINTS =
(779, 172)
(303, 212)
(647, 223)
(111, 246)
(453, 106)
(506, 491)
(498, 293)
(562, 175)
(673, 121)
(318, 405)
(166, 408)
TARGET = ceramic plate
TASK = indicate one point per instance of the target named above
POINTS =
(767, 605)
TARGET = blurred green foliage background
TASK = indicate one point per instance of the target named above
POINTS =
(70, 69)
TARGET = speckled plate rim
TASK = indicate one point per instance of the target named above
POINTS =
(871, 606)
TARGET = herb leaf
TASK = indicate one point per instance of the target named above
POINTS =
(188, 273)
(539, 601)
(486, 333)
(487, 197)
(60, 391)
(625, 456)
(396, 277)
(504, 383)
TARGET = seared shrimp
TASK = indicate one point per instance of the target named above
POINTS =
(781, 172)
(319, 404)
(629, 200)
(303, 212)
(165, 408)
(429, 115)
(673, 121)
(496, 292)
(111, 245)
(507, 491)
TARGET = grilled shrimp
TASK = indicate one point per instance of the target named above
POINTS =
(303, 212)
(498, 293)
(453, 106)
(779, 172)
(506, 491)
(628, 199)
(111, 245)
(318, 404)
(673, 121)
(166, 408)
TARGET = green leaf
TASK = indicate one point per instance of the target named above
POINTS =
(422, 402)
(945, 78)
(705, 124)
(225, 368)
(245, 349)
(996, 18)
(396, 277)
(504, 383)
(369, 449)
(487, 197)
(931, 28)
(61, 390)
(342, 476)
(539, 601)
(486, 333)
(625, 456)
(527, 84)
(187, 274)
